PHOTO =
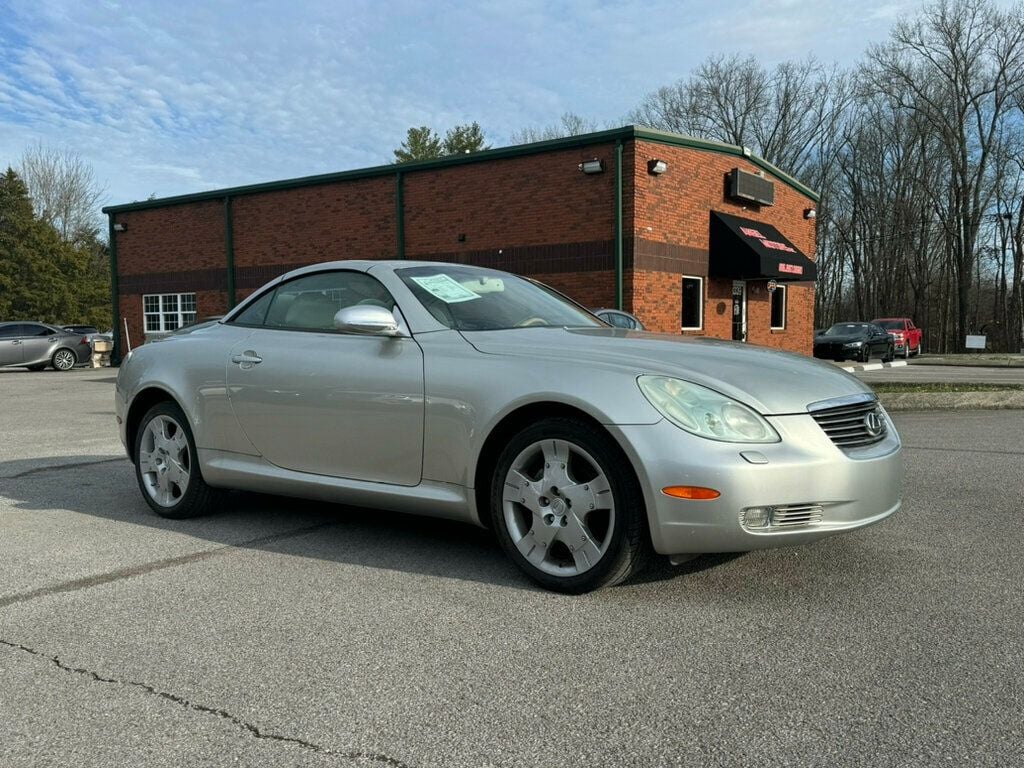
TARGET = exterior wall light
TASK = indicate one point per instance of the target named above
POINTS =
(119, 227)
(592, 166)
(656, 167)
(810, 213)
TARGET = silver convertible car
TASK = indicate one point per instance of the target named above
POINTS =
(475, 395)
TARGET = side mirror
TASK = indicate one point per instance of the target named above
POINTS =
(368, 319)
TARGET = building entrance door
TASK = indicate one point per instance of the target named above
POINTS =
(739, 310)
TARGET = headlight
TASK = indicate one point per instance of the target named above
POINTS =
(854, 344)
(704, 412)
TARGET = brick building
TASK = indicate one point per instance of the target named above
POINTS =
(689, 235)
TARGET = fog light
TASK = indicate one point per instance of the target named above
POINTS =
(755, 517)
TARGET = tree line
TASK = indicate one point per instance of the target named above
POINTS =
(53, 262)
(917, 152)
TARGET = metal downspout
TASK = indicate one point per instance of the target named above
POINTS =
(400, 214)
(229, 250)
(618, 224)
(115, 298)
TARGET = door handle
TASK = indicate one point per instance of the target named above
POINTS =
(16, 341)
(247, 359)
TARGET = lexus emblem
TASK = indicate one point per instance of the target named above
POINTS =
(873, 423)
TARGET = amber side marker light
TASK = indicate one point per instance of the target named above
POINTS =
(694, 492)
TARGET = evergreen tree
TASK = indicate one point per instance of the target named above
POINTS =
(420, 144)
(463, 139)
(424, 144)
(41, 276)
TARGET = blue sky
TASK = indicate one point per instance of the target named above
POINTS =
(175, 97)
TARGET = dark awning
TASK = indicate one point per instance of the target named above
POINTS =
(743, 249)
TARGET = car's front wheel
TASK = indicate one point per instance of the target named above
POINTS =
(167, 467)
(567, 507)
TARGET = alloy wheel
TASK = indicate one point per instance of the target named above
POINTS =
(558, 507)
(164, 460)
(64, 360)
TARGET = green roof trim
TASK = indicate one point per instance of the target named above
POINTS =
(520, 150)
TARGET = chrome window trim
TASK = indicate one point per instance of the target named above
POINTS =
(839, 402)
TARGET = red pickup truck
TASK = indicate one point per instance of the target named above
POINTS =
(905, 335)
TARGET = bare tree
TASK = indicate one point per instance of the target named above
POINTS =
(959, 65)
(570, 124)
(63, 188)
(781, 114)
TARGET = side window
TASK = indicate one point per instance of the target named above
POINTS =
(256, 313)
(37, 330)
(693, 303)
(9, 332)
(309, 303)
(619, 321)
(779, 308)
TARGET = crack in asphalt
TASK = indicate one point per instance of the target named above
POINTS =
(156, 565)
(181, 701)
(56, 467)
(962, 450)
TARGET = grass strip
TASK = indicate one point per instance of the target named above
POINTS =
(942, 386)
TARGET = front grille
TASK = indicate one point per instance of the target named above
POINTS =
(796, 514)
(847, 424)
(830, 349)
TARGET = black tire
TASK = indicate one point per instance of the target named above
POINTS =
(628, 543)
(198, 498)
(865, 353)
(63, 359)
(890, 354)
(906, 351)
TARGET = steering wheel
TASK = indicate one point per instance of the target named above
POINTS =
(531, 321)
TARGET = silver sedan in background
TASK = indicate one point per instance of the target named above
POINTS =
(35, 346)
(471, 394)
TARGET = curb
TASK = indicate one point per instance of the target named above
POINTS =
(874, 366)
(948, 401)
(988, 361)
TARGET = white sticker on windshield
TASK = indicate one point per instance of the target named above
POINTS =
(445, 288)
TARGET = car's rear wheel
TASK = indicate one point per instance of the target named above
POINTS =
(63, 359)
(167, 467)
(567, 507)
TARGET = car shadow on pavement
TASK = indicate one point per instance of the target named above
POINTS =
(105, 487)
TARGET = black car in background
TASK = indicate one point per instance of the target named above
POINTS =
(854, 341)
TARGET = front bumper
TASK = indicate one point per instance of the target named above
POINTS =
(853, 489)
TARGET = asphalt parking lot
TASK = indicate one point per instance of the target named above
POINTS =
(290, 633)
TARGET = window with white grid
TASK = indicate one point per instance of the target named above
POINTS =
(164, 312)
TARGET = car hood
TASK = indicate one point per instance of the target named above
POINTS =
(770, 381)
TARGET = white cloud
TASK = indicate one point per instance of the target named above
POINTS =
(169, 98)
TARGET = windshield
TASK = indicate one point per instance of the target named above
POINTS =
(475, 299)
(846, 329)
(891, 325)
